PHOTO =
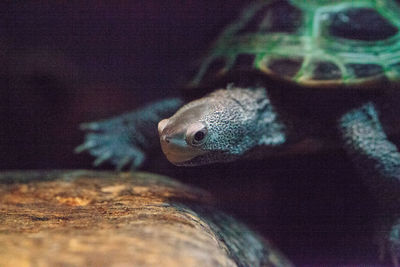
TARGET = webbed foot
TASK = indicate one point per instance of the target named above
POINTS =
(125, 140)
(112, 141)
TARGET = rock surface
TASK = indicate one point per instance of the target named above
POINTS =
(87, 218)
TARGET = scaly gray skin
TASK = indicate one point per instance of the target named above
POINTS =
(378, 161)
(231, 121)
(234, 122)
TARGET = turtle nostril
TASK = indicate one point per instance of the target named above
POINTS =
(161, 126)
(165, 138)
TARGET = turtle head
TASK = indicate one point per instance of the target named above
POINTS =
(219, 127)
(183, 136)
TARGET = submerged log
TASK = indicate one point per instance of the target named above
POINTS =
(87, 218)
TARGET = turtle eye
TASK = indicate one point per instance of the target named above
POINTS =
(199, 136)
(196, 134)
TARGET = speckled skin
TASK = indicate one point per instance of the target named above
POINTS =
(279, 85)
(378, 161)
(237, 120)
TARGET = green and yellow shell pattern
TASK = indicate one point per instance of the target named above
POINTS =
(314, 43)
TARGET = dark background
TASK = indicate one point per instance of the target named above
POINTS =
(67, 62)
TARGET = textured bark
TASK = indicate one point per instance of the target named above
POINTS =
(86, 218)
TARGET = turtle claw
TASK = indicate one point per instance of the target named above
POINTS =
(125, 161)
(101, 159)
(89, 126)
(85, 146)
(137, 161)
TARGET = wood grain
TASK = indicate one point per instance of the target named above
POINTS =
(88, 218)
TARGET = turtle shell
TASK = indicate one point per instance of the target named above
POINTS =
(315, 43)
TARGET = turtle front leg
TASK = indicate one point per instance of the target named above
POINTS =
(378, 161)
(126, 139)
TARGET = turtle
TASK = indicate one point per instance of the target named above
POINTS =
(287, 76)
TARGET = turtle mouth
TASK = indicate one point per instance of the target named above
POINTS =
(178, 155)
(176, 158)
(185, 162)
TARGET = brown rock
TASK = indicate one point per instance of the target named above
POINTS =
(87, 218)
